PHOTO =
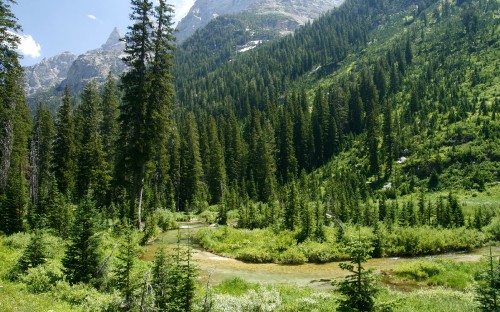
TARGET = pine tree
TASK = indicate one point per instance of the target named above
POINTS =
(40, 162)
(126, 283)
(216, 169)
(148, 93)
(174, 169)
(64, 150)
(160, 280)
(93, 171)
(388, 139)
(287, 166)
(35, 254)
(355, 111)
(292, 208)
(191, 165)
(82, 259)
(359, 288)
(488, 288)
(58, 210)
(15, 126)
(109, 127)
(234, 151)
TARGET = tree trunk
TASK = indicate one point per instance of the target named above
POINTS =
(140, 191)
(6, 144)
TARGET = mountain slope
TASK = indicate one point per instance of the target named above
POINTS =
(297, 12)
(406, 94)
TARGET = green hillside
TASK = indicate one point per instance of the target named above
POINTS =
(372, 132)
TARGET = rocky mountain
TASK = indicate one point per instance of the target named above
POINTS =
(75, 71)
(96, 64)
(48, 73)
(297, 12)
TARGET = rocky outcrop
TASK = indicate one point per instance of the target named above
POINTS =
(48, 73)
(75, 71)
(96, 64)
(298, 11)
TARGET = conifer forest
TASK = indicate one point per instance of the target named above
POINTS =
(353, 165)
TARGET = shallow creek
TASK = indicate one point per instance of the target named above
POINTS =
(314, 275)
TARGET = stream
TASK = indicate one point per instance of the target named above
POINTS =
(317, 276)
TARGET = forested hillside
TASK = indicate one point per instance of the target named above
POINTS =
(378, 122)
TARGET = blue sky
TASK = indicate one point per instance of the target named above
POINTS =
(54, 26)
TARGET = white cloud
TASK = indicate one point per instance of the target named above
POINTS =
(92, 17)
(29, 47)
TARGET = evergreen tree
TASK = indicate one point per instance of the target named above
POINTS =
(109, 127)
(160, 280)
(40, 161)
(191, 165)
(58, 210)
(355, 111)
(82, 259)
(488, 288)
(388, 139)
(287, 166)
(93, 171)
(358, 288)
(235, 150)
(148, 93)
(126, 283)
(64, 150)
(15, 125)
(174, 172)
(34, 254)
(216, 170)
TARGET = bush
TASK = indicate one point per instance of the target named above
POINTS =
(255, 255)
(234, 286)
(42, 278)
(322, 252)
(262, 300)
(89, 298)
(166, 219)
(292, 256)
(419, 270)
(493, 229)
(18, 240)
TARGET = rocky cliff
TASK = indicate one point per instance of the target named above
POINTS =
(48, 73)
(298, 11)
(96, 64)
(75, 71)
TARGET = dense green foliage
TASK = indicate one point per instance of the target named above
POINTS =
(373, 120)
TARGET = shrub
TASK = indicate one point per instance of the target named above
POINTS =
(89, 298)
(493, 229)
(419, 270)
(255, 255)
(166, 219)
(262, 300)
(42, 278)
(234, 286)
(322, 252)
(17, 240)
(292, 256)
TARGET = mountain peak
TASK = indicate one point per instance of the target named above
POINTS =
(114, 40)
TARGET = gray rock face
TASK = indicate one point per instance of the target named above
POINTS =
(96, 64)
(48, 73)
(299, 11)
(75, 71)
